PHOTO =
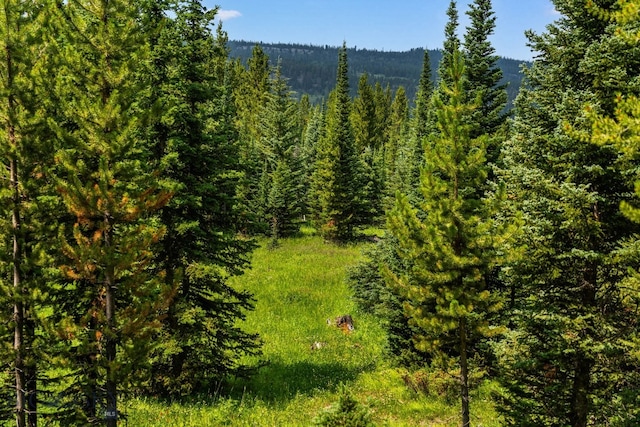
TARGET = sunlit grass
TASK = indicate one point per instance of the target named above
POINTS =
(298, 285)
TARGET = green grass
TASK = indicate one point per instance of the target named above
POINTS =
(297, 286)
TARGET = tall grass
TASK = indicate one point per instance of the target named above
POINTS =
(298, 285)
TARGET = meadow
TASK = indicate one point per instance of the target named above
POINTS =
(298, 285)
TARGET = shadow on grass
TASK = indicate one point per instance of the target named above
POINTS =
(279, 382)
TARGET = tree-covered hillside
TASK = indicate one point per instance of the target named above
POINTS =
(312, 69)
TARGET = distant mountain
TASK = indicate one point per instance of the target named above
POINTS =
(312, 69)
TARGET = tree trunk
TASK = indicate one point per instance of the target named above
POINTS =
(18, 306)
(582, 367)
(464, 373)
(31, 373)
(579, 394)
(111, 412)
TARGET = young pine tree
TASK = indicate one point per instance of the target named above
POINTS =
(107, 308)
(451, 240)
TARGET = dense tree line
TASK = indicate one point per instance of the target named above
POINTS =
(141, 159)
(311, 69)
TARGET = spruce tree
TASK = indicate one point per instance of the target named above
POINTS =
(200, 344)
(312, 135)
(383, 99)
(337, 200)
(280, 145)
(368, 118)
(451, 42)
(412, 153)
(393, 147)
(363, 115)
(568, 360)
(483, 74)
(423, 99)
(452, 239)
(250, 96)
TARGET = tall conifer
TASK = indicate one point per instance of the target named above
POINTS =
(20, 152)
(483, 73)
(109, 304)
(423, 99)
(570, 362)
(451, 43)
(337, 200)
(280, 145)
(250, 96)
(200, 344)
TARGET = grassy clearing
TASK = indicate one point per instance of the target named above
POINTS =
(298, 285)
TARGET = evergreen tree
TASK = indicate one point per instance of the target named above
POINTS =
(363, 115)
(451, 240)
(451, 42)
(250, 96)
(423, 99)
(568, 361)
(338, 204)
(382, 99)
(398, 133)
(107, 308)
(368, 121)
(347, 413)
(313, 133)
(200, 344)
(411, 156)
(280, 142)
(483, 74)
(24, 156)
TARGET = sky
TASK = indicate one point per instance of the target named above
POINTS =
(386, 25)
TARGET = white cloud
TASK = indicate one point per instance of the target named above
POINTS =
(553, 11)
(223, 15)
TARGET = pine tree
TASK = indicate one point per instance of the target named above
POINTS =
(451, 240)
(19, 151)
(568, 361)
(107, 309)
(200, 344)
(337, 200)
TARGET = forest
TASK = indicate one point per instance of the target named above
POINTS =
(310, 70)
(157, 192)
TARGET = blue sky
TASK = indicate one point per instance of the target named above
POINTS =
(375, 24)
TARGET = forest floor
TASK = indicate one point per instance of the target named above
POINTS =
(298, 285)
